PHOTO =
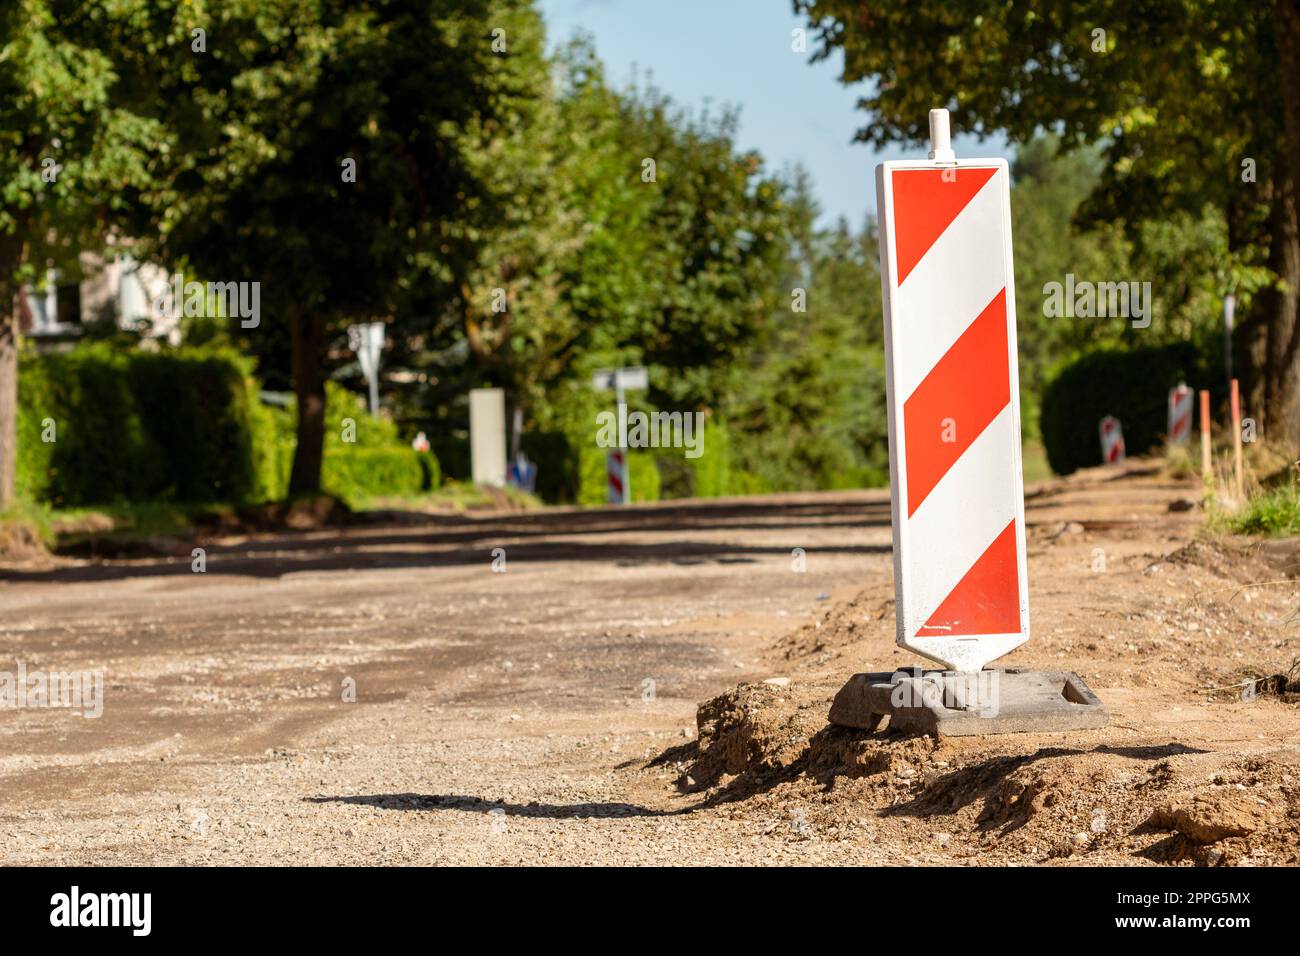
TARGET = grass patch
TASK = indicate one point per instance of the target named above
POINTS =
(1033, 462)
(451, 496)
(152, 519)
(1275, 512)
(25, 527)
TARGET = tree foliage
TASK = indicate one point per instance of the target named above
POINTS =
(1187, 100)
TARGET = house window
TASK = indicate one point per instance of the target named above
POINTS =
(68, 304)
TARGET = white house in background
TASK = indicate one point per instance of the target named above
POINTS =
(120, 289)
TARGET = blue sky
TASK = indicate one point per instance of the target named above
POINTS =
(738, 52)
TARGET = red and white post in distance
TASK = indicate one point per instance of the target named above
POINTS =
(961, 590)
(616, 475)
(1180, 414)
(1111, 433)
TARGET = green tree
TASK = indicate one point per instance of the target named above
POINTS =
(68, 154)
(266, 123)
(1190, 100)
(807, 404)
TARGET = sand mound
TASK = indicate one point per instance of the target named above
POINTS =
(869, 612)
(1113, 795)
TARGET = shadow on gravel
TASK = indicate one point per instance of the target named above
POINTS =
(425, 802)
(307, 557)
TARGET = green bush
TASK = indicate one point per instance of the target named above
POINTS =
(364, 457)
(186, 425)
(135, 425)
(712, 470)
(1132, 385)
(356, 472)
(557, 465)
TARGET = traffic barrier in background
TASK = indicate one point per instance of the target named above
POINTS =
(1180, 414)
(621, 380)
(617, 483)
(1112, 440)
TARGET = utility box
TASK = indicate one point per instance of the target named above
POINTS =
(487, 436)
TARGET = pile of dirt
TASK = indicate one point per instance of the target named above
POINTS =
(754, 730)
(1245, 564)
(767, 751)
(871, 610)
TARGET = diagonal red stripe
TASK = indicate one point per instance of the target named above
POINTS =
(956, 401)
(925, 204)
(987, 598)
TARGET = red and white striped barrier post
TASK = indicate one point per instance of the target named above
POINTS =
(961, 591)
(1112, 440)
(616, 476)
(1180, 414)
(954, 408)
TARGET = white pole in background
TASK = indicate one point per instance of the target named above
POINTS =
(1229, 311)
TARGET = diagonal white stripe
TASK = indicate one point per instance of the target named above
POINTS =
(959, 520)
(957, 277)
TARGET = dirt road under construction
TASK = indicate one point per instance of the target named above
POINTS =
(547, 710)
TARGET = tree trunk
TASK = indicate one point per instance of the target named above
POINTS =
(8, 391)
(1281, 411)
(308, 336)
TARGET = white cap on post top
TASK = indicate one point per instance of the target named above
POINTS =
(940, 138)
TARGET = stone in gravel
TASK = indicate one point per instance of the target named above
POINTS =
(1210, 817)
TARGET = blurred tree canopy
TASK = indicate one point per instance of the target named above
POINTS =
(518, 221)
(1189, 103)
(355, 158)
(68, 151)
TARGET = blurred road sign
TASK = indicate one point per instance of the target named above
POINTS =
(620, 380)
(1180, 414)
(1112, 440)
(954, 412)
(487, 436)
(625, 379)
(368, 342)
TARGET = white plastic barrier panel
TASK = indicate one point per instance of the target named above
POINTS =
(1180, 414)
(961, 590)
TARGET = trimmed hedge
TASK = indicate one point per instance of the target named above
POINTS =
(135, 426)
(1132, 385)
(376, 464)
(186, 425)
